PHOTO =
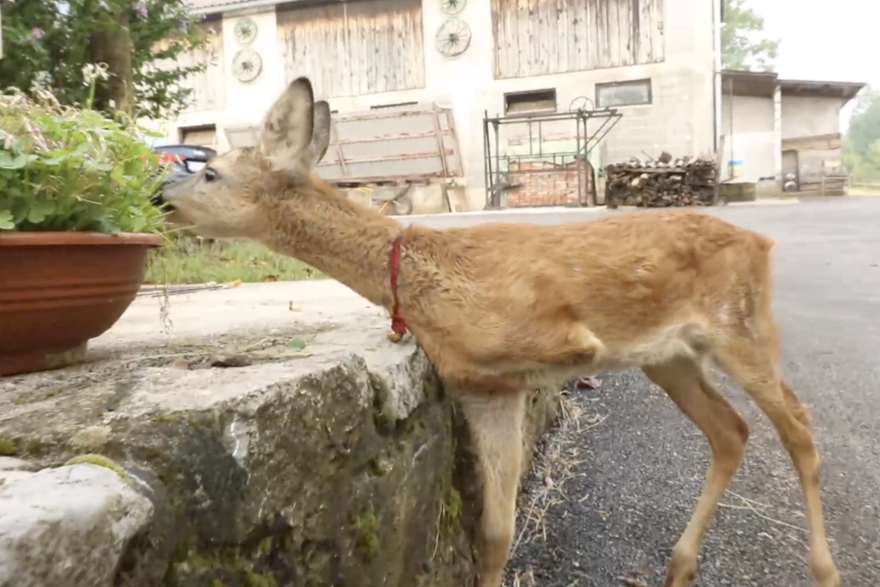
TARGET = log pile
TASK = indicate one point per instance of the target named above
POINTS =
(661, 182)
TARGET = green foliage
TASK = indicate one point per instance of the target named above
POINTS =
(861, 145)
(185, 259)
(864, 126)
(743, 44)
(64, 168)
(46, 42)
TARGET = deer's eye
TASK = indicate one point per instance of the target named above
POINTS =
(210, 174)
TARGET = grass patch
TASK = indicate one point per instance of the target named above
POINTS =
(186, 260)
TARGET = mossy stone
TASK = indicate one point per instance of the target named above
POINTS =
(101, 461)
(8, 447)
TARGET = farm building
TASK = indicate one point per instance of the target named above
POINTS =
(478, 103)
(776, 128)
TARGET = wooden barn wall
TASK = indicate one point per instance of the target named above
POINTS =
(538, 37)
(209, 90)
(355, 48)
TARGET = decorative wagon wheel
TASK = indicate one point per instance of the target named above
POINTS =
(452, 6)
(245, 30)
(453, 37)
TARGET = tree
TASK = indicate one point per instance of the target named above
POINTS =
(47, 43)
(864, 124)
(861, 145)
(743, 43)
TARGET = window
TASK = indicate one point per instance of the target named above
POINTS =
(242, 136)
(629, 93)
(531, 101)
(202, 136)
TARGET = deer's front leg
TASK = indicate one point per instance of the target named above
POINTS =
(496, 423)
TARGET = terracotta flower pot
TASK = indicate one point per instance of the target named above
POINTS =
(60, 289)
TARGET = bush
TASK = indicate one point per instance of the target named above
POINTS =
(71, 169)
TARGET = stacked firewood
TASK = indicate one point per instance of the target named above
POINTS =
(661, 182)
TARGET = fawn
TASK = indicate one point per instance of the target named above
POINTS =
(500, 309)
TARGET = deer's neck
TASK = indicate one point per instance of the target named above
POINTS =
(344, 240)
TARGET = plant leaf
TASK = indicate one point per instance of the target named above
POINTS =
(6, 222)
(53, 161)
(7, 161)
(39, 210)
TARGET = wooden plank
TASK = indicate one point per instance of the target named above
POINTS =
(611, 30)
(545, 39)
(579, 39)
(645, 52)
(388, 63)
(357, 52)
(604, 54)
(523, 65)
(212, 90)
(502, 52)
(532, 64)
(591, 35)
(511, 43)
(208, 87)
(625, 32)
(558, 17)
(656, 24)
(628, 40)
(415, 72)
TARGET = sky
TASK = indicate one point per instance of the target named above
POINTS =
(824, 40)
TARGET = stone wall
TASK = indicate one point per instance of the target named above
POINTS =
(268, 468)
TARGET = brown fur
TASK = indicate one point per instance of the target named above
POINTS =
(503, 308)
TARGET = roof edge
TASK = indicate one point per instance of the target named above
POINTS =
(220, 7)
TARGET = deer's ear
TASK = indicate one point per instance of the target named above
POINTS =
(320, 135)
(287, 127)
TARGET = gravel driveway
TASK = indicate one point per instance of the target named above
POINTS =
(620, 478)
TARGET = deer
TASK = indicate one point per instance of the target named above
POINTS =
(672, 293)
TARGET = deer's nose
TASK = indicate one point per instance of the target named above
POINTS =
(158, 199)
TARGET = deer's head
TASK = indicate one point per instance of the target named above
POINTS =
(227, 198)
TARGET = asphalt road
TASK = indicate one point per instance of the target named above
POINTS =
(634, 477)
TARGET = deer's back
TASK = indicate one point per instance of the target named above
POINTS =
(639, 281)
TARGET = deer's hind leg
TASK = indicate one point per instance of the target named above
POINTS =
(753, 363)
(495, 423)
(684, 381)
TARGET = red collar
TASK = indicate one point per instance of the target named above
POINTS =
(398, 324)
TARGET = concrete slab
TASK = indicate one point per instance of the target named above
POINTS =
(249, 308)
(269, 333)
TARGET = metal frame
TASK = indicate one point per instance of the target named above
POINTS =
(495, 184)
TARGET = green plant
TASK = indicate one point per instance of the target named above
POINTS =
(71, 169)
